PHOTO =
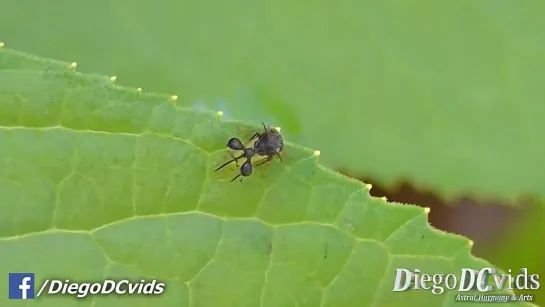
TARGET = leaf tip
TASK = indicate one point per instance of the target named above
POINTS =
(139, 89)
(384, 198)
(278, 129)
(369, 187)
(219, 114)
(316, 153)
(113, 78)
(427, 210)
(73, 65)
(1, 44)
(173, 97)
(470, 243)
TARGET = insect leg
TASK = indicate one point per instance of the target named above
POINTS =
(278, 155)
(269, 159)
(247, 132)
(256, 135)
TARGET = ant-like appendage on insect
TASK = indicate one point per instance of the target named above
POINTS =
(245, 170)
(269, 144)
(235, 159)
(235, 144)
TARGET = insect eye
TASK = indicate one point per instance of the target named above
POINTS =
(246, 169)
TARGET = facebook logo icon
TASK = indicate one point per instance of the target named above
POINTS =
(21, 286)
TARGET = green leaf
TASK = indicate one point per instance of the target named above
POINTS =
(460, 98)
(99, 181)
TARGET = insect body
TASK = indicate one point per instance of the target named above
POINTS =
(246, 168)
(269, 143)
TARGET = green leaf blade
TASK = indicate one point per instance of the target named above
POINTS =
(120, 184)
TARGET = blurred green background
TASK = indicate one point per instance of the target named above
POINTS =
(444, 96)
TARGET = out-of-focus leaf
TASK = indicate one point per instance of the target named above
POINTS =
(457, 86)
